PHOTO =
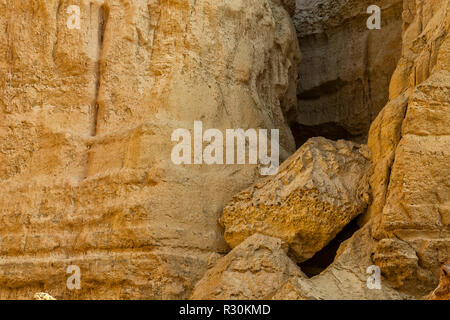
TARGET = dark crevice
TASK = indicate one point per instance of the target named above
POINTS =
(329, 130)
(322, 259)
(103, 19)
(55, 43)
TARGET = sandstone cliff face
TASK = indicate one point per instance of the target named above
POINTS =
(87, 116)
(85, 148)
(316, 193)
(410, 143)
(346, 68)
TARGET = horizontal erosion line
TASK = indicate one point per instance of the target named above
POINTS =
(102, 254)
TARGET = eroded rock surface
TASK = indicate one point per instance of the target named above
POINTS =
(345, 279)
(43, 296)
(253, 270)
(406, 229)
(86, 172)
(410, 144)
(442, 292)
(85, 142)
(315, 194)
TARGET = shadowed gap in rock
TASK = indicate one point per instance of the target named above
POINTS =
(332, 131)
(322, 259)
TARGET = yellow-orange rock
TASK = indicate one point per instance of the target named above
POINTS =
(259, 268)
(253, 270)
(43, 296)
(406, 229)
(410, 143)
(345, 279)
(85, 138)
(315, 194)
(86, 174)
(442, 292)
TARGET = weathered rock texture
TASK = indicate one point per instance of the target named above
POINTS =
(86, 174)
(345, 279)
(43, 296)
(407, 225)
(315, 194)
(346, 68)
(259, 269)
(442, 292)
(410, 144)
(85, 141)
(253, 270)
(406, 231)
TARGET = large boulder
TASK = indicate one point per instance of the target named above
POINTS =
(315, 194)
(253, 270)
(259, 268)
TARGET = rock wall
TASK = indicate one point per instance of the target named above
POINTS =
(442, 292)
(85, 143)
(346, 68)
(410, 144)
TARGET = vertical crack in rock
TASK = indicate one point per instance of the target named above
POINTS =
(153, 25)
(55, 43)
(102, 21)
(9, 62)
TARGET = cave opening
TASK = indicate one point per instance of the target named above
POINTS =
(322, 259)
